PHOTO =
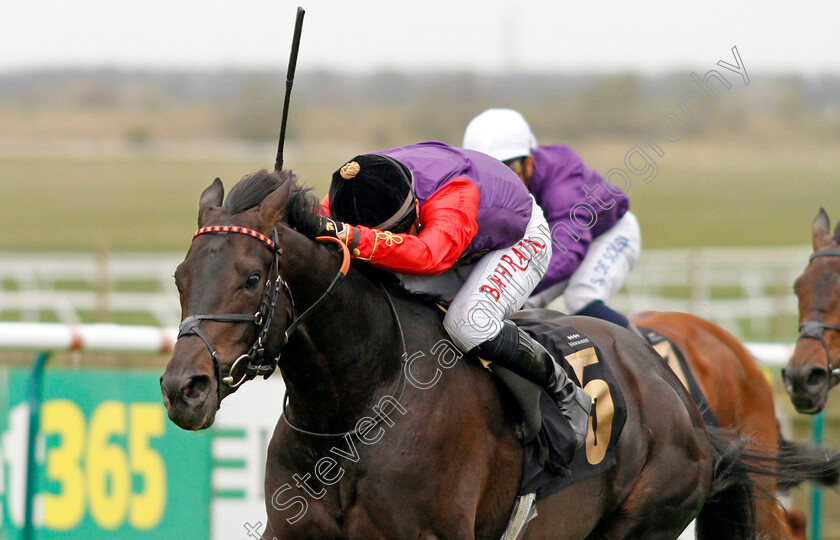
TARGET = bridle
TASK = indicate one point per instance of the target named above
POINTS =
(813, 329)
(399, 384)
(254, 360)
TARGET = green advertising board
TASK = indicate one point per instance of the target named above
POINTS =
(110, 463)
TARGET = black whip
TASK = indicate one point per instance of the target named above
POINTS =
(290, 77)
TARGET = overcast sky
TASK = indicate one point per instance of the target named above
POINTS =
(477, 35)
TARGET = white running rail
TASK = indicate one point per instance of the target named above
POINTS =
(73, 287)
(739, 288)
(122, 338)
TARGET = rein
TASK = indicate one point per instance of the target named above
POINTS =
(255, 363)
(813, 329)
(361, 424)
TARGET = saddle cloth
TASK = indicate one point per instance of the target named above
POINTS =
(669, 351)
(550, 461)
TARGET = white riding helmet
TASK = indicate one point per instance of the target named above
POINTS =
(501, 133)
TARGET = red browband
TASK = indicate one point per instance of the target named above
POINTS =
(237, 229)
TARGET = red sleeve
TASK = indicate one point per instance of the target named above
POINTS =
(448, 225)
(325, 205)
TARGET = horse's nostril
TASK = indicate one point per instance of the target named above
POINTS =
(195, 387)
(817, 377)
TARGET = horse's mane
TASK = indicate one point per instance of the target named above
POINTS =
(302, 215)
(302, 210)
(392, 283)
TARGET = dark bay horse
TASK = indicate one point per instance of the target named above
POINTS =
(814, 368)
(741, 398)
(389, 432)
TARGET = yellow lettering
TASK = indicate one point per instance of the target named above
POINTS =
(109, 483)
(146, 421)
(581, 359)
(66, 509)
(598, 441)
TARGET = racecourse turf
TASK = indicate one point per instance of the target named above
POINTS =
(703, 194)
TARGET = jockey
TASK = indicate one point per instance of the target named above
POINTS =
(596, 238)
(458, 224)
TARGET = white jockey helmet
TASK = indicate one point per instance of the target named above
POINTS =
(501, 133)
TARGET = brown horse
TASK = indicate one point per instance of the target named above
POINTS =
(389, 432)
(814, 368)
(741, 398)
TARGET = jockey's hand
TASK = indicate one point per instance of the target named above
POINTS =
(336, 229)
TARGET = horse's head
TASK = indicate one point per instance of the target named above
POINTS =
(229, 289)
(814, 367)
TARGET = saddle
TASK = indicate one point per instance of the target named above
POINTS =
(545, 432)
(550, 460)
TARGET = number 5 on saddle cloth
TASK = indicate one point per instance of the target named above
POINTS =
(549, 441)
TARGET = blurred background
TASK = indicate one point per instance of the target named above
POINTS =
(114, 118)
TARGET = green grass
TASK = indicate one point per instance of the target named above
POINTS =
(114, 204)
(731, 207)
(706, 193)
(730, 192)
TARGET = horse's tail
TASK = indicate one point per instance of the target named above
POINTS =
(739, 462)
(728, 512)
(800, 462)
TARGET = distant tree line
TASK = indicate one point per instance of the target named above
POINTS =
(389, 108)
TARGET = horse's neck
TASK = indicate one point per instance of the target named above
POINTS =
(347, 350)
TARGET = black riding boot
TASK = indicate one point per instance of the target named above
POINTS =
(518, 352)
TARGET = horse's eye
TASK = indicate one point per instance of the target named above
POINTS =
(252, 281)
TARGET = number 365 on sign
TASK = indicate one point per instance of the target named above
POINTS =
(108, 459)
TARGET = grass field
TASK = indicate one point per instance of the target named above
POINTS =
(120, 203)
(705, 193)
(731, 193)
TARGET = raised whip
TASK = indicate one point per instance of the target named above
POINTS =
(290, 77)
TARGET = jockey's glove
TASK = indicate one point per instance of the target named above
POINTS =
(336, 229)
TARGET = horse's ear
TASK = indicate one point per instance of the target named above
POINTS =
(273, 207)
(211, 199)
(819, 231)
(837, 233)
